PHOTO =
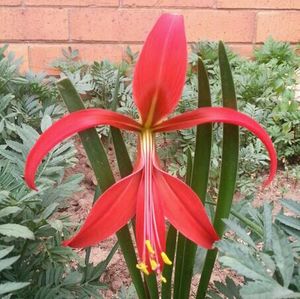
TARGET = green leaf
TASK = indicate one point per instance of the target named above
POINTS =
(283, 255)
(46, 122)
(49, 210)
(266, 289)
(12, 286)
(72, 278)
(5, 263)
(5, 100)
(292, 205)
(56, 224)
(239, 231)
(9, 210)
(230, 155)
(16, 230)
(244, 267)
(90, 139)
(186, 250)
(6, 251)
(268, 262)
(267, 226)
(230, 290)
(166, 288)
(289, 221)
(199, 260)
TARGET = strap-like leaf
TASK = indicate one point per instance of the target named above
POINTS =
(199, 178)
(230, 154)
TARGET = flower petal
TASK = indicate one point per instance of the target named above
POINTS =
(111, 212)
(184, 209)
(160, 71)
(68, 126)
(222, 115)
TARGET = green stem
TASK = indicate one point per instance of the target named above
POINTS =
(230, 153)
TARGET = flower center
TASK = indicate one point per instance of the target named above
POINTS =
(152, 256)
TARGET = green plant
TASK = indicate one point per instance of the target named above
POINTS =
(264, 253)
(33, 262)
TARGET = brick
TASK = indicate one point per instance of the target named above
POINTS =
(243, 50)
(135, 24)
(10, 2)
(33, 24)
(168, 3)
(230, 26)
(94, 24)
(41, 56)
(73, 2)
(256, 4)
(92, 52)
(280, 25)
(20, 51)
(108, 24)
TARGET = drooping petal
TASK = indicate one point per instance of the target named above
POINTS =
(110, 213)
(222, 115)
(160, 71)
(184, 209)
(68, 126)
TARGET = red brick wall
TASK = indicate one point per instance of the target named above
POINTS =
(38, 29)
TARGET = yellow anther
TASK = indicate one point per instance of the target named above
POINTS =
(163, 279)
(166, 259)
(153, 264)
(143, 268)
(149, 247)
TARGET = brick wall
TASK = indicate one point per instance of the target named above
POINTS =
(38, 29)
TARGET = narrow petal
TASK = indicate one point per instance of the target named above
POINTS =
(111, 212)
(160, 71)
(184, 209)
(222, 115)
(68, 126)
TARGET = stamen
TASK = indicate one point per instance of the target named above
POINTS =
(153, 264)
(149, 247)
(165, 258)
(143, 267)
(163, 279)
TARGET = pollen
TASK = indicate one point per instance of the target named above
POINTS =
(149, 247)
(165, 258)
(163, 279)
(153, 264)
(143, 267)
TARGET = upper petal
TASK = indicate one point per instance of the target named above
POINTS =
(68, 126)
(160, 71)
(110, 213)
(224, 115)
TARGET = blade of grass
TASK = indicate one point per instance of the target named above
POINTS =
(198, 180)
(230, 153)
(104, 176)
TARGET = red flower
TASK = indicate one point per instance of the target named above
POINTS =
(149, 193)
